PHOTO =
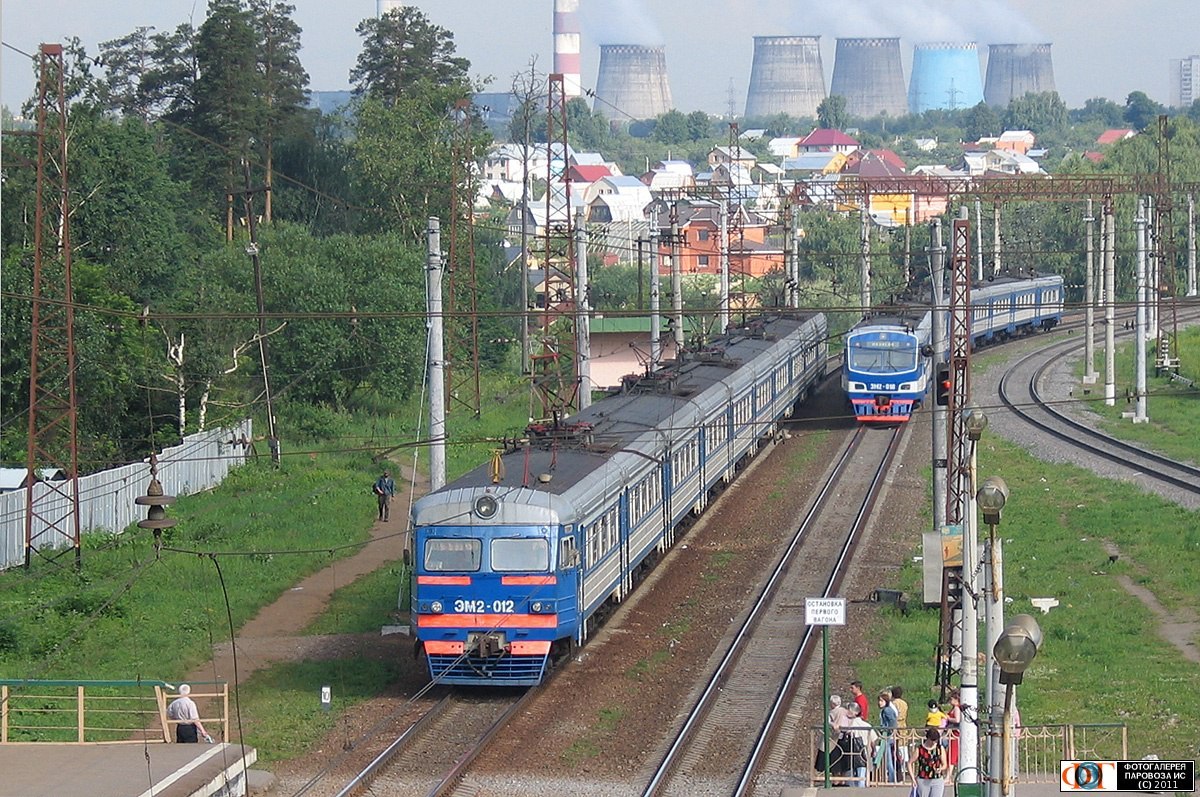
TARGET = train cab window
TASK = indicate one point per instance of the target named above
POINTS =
(520, 554)
(455, 556)
(882, 356)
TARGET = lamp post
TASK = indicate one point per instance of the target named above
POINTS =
(1013, 651)
(975, 422)
(991, 497)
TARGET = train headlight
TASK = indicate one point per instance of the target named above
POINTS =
(436, 607)
(542, 607)
(486, 506)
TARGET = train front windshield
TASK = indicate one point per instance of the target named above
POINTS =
(882, 355)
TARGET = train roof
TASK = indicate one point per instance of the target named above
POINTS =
(553, 459)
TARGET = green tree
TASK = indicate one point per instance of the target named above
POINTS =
(1194, 111)
(168, 86)
(831, 113)
(403, 52)
(980, 121)
(1141, 111)
(585, 128)
(699, 126)
(1101, 110)
(283, 81)
(1042, 113)
(126, 62)
(229, 110)
(671, 128)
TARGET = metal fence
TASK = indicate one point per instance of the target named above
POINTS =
(199, 463)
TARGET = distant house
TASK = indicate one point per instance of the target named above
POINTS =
(15, 478)
(621, 346)
(811, 163)
(505, 163)
(784, 147)
(999, 160)
(750, 252)
(1113, 136)
(588, 174)
(725, 155)
(827, 140)
(1019, 141)
(670, 174)
(925, 144)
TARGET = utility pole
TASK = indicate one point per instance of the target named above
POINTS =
(1110, 308)
(583, 331)
(655, 308)
(995, 238)
(937, 265)
(1089, 297)
(252, 250)
(1142, 333)
(1191, 235)
(864, 262)
(437, 356)
(979, 241)
(676, 283)
(723, 300)
(794, 278)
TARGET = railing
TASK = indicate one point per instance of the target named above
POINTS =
(87, 712)
(1038, 748)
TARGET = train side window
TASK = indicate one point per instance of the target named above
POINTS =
(568, 556)
(452, 555)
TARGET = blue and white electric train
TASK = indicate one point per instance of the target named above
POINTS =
(886, 370)
(513, 561)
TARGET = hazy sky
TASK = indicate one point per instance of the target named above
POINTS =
(1101, 47)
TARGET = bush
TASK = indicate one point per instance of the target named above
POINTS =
(312, 421)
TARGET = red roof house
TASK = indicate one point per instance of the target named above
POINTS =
(827, 140)
(1113, 136)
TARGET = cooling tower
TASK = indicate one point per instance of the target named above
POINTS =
(633, 82)
(786, 76)
(945, 76)
(566, 45)
(867, 72)
(1014, 70)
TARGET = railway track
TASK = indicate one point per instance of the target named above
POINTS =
(431, 754)
(1022, 391)
(740, 711)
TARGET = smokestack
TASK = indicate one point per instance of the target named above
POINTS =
(633, 82)
(384, 6)
(868, 73)
(787, 76)
(1014, 70)
(945, 76)
(566, 45)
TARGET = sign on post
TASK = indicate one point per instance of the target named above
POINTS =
(824, 611)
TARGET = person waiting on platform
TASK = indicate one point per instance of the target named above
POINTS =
(188, 727)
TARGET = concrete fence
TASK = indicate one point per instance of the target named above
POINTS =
(106, 504)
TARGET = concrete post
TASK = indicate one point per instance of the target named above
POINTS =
(437, 357)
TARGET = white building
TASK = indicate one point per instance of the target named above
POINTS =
(1185, 81)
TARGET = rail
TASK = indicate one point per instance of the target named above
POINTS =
(90, 712)
(1039, 748)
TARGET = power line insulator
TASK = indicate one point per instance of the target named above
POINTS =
(157, 503)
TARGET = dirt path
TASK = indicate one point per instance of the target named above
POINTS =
(274, 634)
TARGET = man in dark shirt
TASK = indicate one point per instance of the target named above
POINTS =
(384, 489)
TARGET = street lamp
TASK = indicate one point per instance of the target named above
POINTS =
(991, 497)
(1013, 651)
